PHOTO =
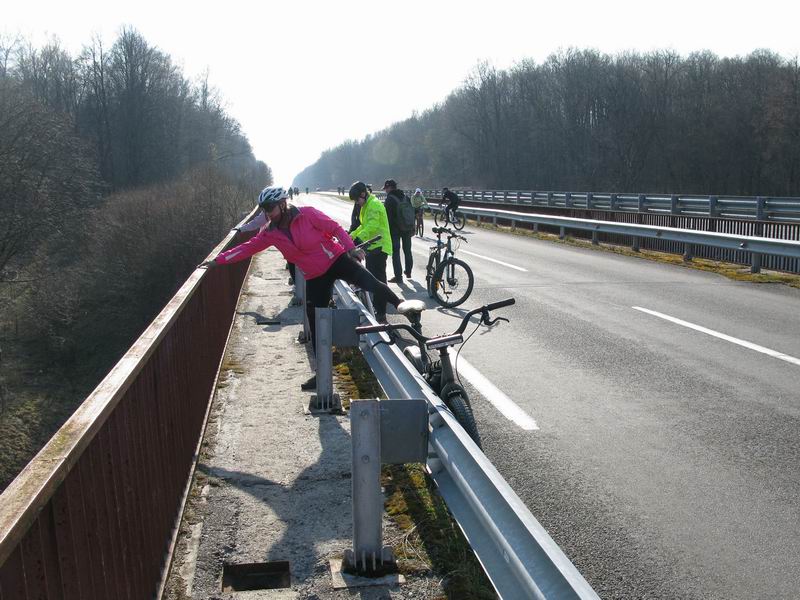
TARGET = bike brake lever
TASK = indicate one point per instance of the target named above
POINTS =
(495, 320)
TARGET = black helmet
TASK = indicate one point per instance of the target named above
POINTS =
(358, 188)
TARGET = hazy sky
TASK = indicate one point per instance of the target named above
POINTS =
(303, 76)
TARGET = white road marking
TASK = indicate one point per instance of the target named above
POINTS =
(722, 336)
(494, 260)
(507, 407)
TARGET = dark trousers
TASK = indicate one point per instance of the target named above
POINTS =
(376, 265)
(405, 238)
(319, 290)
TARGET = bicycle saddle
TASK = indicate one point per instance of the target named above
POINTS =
(410, 307)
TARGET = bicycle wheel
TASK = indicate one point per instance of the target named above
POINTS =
(420, 225)
(438, 218)
(458, 403)
(452, 283)
(430, 272)
(459, 220)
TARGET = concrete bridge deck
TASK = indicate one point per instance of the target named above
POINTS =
(273, 481)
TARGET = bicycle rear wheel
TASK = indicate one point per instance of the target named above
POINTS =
(458, 403)
(452, 283)
(458, 220)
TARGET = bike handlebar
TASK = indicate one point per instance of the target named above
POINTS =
(377, 238)
(483, 311)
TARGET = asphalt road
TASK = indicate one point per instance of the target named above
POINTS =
(665, 462)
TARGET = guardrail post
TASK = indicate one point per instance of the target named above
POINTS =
(635, 244)
(688, 253)
(562, 233)
(642, 208)
(595, 239)
(300, 298)
(324, 399)
(390, 432)
(755, 262)
(760, 208)
(589, 200)
(472, 194)
(365, 432)
(505, 195)
(518, 197)
(535, 228)
(483, 195)
(568, 200)
(513, 225)
(550, 199)
(612, 201)
(712, 206)
(673, 205)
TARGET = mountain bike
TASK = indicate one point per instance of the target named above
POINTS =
(441, 374)
(449, 279)
(444, 218)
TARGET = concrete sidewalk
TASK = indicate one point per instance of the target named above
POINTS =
(273, 482)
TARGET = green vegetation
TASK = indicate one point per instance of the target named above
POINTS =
(117, 177)
(587, 121)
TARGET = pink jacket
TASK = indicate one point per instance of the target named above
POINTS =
(316, 242)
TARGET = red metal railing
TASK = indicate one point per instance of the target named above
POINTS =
(94, 514)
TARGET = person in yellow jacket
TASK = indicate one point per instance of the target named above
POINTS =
(373, 221)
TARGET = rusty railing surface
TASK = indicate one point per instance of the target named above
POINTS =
(94, 514)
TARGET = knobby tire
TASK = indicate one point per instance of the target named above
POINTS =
(452, 283)
(458, 404)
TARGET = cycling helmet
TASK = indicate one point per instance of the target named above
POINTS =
(358, 188)
(417, 191)
(271, 195)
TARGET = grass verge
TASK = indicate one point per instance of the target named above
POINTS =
(431, 539)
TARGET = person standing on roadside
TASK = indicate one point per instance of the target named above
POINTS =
(372, 222)
(401, 230)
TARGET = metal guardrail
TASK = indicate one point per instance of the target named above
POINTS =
(755, 245)
(95, 514)
(518, 555)
(761, 208)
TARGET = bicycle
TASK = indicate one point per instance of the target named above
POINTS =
(449, 279)
(419, 229)
(441, 375)
(444, 218)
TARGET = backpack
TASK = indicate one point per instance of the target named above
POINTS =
(406, 215)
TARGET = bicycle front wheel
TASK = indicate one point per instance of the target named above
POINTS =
(458, 221)
(439, 218)
(452, 283)
(430, 273)
(459, 405)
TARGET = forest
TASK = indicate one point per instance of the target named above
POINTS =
(118, 175)
(582, 120)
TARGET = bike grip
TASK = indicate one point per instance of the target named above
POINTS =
(372, 328)
(501, 304)
(377, 238)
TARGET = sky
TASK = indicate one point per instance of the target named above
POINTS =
(302, 76)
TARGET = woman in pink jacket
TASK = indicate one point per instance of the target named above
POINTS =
(314, 242)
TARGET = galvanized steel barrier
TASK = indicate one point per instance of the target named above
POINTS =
(756, 247)
(518, 555)
(762, 208)
(95, 513)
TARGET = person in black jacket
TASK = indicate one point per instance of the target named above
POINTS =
(393, 198)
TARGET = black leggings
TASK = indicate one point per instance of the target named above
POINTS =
(319, 290)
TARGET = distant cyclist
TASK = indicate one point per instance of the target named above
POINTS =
(453, 202)
(420, 204)
(291, 193)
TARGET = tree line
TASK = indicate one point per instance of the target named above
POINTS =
(587, 121)
(117, 176)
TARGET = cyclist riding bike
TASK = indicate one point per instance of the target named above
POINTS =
(452, 201)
